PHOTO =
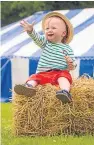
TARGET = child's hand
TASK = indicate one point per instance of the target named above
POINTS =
(27, 27)
(69, 63)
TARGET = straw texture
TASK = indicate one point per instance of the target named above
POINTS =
(43, 114)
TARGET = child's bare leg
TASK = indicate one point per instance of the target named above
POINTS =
(33, 83)
(64, 84)
(63, 94)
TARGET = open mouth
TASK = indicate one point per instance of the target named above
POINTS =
(50, 34)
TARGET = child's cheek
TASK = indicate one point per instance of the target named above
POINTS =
(46, 33)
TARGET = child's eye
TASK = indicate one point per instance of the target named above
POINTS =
(53, 28)
(46, 28)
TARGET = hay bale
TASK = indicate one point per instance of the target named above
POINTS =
(43, 114)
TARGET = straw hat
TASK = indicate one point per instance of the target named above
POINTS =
(65, 19)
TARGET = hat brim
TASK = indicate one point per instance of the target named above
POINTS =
(65, 19)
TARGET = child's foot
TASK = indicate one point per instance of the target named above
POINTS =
(64, 96)
(26, 90)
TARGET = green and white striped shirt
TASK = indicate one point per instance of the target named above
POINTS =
(53, 53)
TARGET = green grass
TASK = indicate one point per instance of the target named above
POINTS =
(9, 139)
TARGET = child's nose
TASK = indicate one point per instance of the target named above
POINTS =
(50, 30)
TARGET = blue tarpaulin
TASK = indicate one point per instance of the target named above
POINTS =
(6, 82)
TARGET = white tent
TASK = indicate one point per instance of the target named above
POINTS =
(19, 54)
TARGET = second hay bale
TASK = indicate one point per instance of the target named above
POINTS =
(44, 114)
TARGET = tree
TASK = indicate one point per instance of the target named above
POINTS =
(12, 11)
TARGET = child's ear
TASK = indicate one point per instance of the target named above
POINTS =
(64, 33)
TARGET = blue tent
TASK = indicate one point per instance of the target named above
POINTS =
(6, 81)
(19, 54)
(87, 62)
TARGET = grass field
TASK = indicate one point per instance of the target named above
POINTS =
(9, 139)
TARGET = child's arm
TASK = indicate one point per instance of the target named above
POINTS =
(39, 40)
(71, 62)
(70, 59)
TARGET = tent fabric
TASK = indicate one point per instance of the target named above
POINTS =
(16, 43)
(33, 66)
(89, 53)
(20, 55)
(6, 82)
(87, 66)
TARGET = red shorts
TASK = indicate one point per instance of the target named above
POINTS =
(50, 77)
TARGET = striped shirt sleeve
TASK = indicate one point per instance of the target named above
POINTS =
(40, 40)
(70, 53)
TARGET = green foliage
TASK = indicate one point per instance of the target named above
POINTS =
(12, 11)
(16, 10)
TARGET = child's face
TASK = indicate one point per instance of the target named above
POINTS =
(55, 29)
